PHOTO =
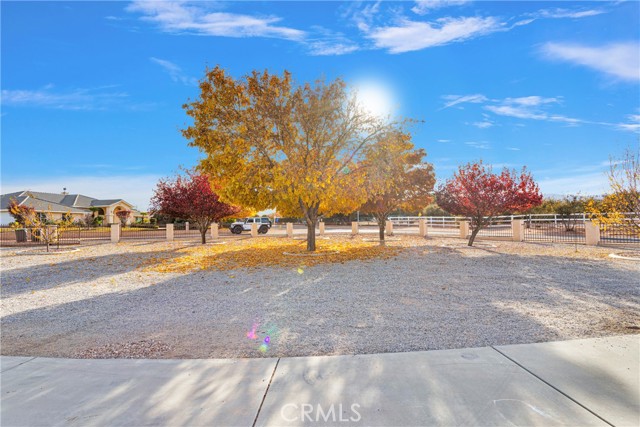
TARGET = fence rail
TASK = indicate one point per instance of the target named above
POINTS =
(498, 228)
(180, 231)
(537, 228)
(626, 233)
(552, 231)
(32, 236)
(143, 231)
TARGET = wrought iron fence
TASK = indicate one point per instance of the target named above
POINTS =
(499, 228)
(555, 230)
(180, 231)
(143, 231)
(33, 236)
(627, 232)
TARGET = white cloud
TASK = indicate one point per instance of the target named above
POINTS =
(531, 108)
(531, 101)
(410, 35)
(136, 189)
(325, 48)
(619, 60)
(423, 7)
(327, 42)
(512, 149)
(567, 13)
(74, 99)
(175, 72)
(195, 18)
(460, 99)
(633, 124)
(483, 145)
(444, 140)
(483, 124)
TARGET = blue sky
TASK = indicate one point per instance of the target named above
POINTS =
(92, 91)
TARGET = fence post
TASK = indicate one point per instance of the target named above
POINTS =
(592, 233)
(464, 229)
(254, 229)
(322, 228)
(354, 227)
(389, 228)
(422, 228)
(289, 229)
(115, 233)
(214, 230)
(517, 228)
(169, 231)
(186, 226)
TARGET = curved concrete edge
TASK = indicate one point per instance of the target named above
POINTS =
(569, 382)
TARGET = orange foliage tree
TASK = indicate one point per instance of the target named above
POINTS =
(396, 178)
(270, 143)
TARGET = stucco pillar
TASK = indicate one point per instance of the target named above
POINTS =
(592, 233)
(108, 215)
(517, 228)
(115, 233)
(464, 229)
(389, 228)
(321, 228)
(354, 227)
(422, 227)
(186, 226)
(289, 229)
(214, 230)
(170, 232)
(254, 230)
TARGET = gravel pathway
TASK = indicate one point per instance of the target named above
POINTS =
(98, 302)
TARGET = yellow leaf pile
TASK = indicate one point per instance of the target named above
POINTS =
(267, 252)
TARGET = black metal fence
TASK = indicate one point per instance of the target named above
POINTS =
(143, 231)
(180, 231)
(627, 233)
(554, 231)
(498, 228)
(34, 236)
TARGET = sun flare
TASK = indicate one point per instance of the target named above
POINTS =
(375, 97)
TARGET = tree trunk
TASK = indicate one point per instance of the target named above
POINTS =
(381, 224)
(311, 215)
(311, 235)
(203, 234)
(474, 232)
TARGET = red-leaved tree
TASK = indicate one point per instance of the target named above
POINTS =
(123, 215)
(476, 192)
(190, 197)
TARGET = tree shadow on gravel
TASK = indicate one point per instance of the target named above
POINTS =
(440, 300)
(51, 272)
(433, 301)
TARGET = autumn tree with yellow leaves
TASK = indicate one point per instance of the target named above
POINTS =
(621, 207)
(271, 143)
(396, 178)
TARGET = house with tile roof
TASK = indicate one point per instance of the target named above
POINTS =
(55, 205)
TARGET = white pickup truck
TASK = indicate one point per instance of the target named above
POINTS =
(264, 224)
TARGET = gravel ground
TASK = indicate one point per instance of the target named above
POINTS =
(436, 294)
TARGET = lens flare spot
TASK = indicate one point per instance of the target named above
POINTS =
(252, 333)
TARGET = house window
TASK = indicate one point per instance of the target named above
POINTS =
(42, 217)
(66, 217)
